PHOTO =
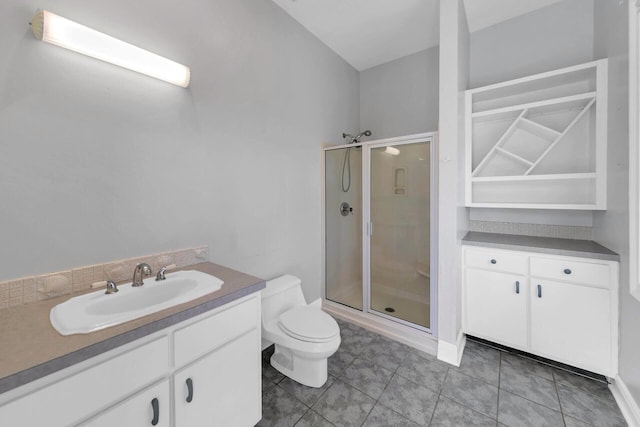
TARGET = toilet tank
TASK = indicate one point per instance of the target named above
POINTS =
(280, 295)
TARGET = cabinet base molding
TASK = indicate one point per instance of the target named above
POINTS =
(452, 353)
(628, 406)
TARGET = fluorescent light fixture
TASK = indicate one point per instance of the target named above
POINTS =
(54, 29)
(392, 150)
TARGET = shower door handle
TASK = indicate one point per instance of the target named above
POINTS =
(370, 229)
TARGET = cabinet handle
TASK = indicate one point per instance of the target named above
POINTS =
(517, 287)
(155, 404)
(493, 261)
(189, 390)
(567, 271)
(539, 291)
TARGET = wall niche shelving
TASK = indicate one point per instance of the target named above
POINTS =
(539, 141)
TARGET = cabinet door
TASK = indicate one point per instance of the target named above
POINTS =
(149, 407)
(496, 307)
(224, 387)
(572, 324)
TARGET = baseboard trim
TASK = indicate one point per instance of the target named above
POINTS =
(452, 353)
(628, 406)
(396, 331)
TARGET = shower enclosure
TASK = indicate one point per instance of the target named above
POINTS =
(378, 202)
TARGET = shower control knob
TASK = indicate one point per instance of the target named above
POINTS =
(345, 209)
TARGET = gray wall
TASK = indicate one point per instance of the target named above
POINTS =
(611, 227)
(401, 97)
(553, 37)
(100, 163)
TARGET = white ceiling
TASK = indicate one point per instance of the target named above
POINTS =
(367, 33)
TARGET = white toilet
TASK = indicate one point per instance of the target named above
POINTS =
(304, 335)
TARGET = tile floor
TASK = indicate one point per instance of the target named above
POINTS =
(374, 381)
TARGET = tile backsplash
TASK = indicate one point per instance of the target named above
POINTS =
(540, 230)
(37, 288)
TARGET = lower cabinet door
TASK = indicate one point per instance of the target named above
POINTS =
(496, 307)
(223, 388)
(571, 324)
(150, 407)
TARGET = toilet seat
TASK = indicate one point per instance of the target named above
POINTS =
(308, 324)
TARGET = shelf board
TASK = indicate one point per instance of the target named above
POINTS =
(536, 128)
(539, 76)
(514, 156)
(547, 177)
(553, 104)
(587, 207)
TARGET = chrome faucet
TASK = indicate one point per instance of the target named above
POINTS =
(144, 270)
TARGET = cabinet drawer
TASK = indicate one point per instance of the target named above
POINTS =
(81, 395)
(496, 260)
(197, 339)
(572, 271)
(138, 409)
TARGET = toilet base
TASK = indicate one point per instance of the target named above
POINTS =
(309, 372)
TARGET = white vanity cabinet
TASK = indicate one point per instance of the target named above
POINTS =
(558, 307)
(145, 382)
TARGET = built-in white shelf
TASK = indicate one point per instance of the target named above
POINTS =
(540, 107)
(550, 177)
(539, 141)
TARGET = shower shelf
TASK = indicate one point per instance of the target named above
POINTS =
(523, 135)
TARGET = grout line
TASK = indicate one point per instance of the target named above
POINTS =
(373, 406)
(290, 394)
(499, 387)
(534, 402)
(555, 386)
(439, 395)
(303, 415)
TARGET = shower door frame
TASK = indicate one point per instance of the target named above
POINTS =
(431, 138)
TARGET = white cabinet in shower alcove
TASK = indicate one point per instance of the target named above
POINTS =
(539, 141)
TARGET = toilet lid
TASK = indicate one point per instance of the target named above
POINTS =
(308, 324)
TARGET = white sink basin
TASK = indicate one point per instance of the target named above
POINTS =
(97, 310)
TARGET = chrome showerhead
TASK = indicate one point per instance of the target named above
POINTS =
(361, 134)
(356, 139)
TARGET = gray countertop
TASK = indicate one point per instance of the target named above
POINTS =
(30, 348)
(545, 245)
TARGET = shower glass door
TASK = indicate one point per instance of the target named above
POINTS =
(343, 226)
(399, 232)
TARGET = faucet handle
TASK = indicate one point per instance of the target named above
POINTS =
(111, 288)
(160, 276)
